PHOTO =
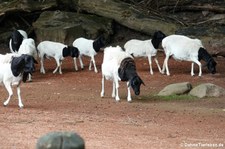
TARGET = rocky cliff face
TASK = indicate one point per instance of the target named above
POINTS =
(65, 20)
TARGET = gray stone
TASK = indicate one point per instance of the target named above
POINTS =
(60, 140)
(177, 88)
(207, 90)
(65, 27)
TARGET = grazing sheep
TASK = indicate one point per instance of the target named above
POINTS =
(28, 47)
(119, 66)
(16, 39)
(184, 48)
(146, 48)
(89, 48)
(14, 68)
(56, 50)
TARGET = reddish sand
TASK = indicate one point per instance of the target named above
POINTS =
(72, 102)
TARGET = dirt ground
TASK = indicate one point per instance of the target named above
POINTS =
(72, 102)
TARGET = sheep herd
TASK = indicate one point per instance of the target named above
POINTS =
(118, 63)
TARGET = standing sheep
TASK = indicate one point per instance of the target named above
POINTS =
(119, 66)
(56, 50)
(89, 48)
(184, 48)
(16, 39)
(28, 47)
(146, 48)
(14, 68)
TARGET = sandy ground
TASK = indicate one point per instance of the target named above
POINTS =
(72, 102)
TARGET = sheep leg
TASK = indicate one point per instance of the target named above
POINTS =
(103, 87)
(90, 64)
(200, 67)
(117, 90)
(9, 89)
(75, 63)
(19, 97)
(165, 66)
(150, 64)
(95, 68)
(81, 63)
(114, 90)
(157, 63)
(42, 69)
(58, 67)
(192, 69)
(29, 77)
(128, 93)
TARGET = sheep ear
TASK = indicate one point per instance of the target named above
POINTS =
(17, 65)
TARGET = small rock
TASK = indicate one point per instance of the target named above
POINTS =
(177, 88)
(60, 140)
(207, 90)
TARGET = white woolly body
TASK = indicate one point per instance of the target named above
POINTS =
(85, 47)
(28, 47)
(181, 48)
(5, 66)
(142, 48)
(7, 78)
(51, 49)
(7, 58)
(111, 62)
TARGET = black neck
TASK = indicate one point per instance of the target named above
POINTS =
(204, 55)
(96, 46)
(155, 43)
(127, 70)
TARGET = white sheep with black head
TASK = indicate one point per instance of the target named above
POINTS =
(146, 48)
(119, 66)
(184, 48)
(28, 47)
(56, 50)
(16, 39)
(15, 68)
(89, 47)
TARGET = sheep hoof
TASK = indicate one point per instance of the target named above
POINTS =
(129, 101)
(21, 107)
(117, 99)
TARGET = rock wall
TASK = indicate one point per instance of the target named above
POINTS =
(194, 18)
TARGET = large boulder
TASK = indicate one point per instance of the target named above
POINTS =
(60, 140)
(127, 15)
(65, 27)
(207, 90)
(176, 89)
